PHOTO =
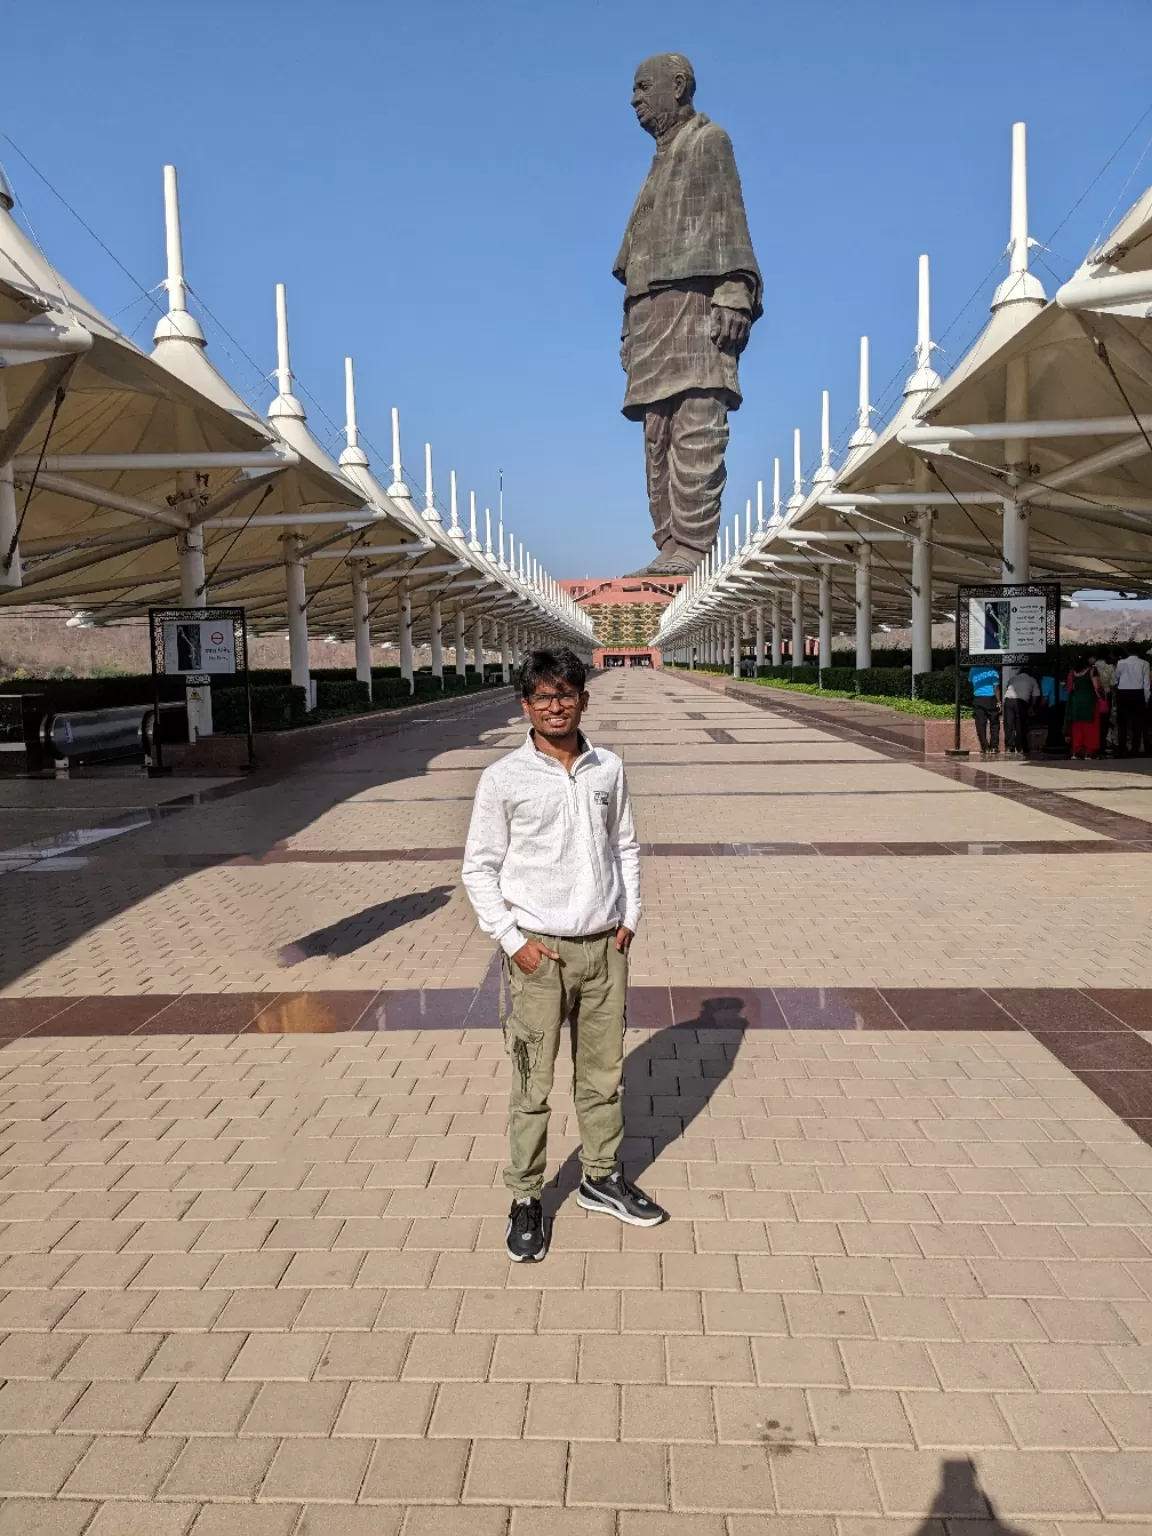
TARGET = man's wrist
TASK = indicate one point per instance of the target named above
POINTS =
(512, 942)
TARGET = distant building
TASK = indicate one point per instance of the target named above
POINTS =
(626, 611)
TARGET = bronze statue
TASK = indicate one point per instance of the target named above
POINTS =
(692, 293)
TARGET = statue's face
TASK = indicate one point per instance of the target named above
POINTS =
(657, 94)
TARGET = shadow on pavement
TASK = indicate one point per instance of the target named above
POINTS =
(352, 933)
(50, 908)
(960, 1498)
(670, 1077)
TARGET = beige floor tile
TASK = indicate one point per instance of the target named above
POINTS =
(1055, 1421)
(617, 1476)
(863, 1418)
(520, 1471)
(667, 1414)
(1119, 1482)
(721, 1478)
(471, 1410)
(113, 1467)
(331, 1470)
(218, 1469)
(573, 1412)
(1045, 1483)
(409, 1472)
(956, 1420)
(38, 1464)
(295, 1408)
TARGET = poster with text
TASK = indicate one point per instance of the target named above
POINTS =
(199, 645)
(1000, 624)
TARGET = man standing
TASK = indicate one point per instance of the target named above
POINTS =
(692, 292)
(986, 707)
(1132, 685)
(1021, 691)
(552, 868)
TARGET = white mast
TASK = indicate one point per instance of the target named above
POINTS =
(397, 490)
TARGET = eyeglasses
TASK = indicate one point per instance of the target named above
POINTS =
(564, 700)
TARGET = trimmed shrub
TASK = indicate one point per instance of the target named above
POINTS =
(843, 678)
(273, 709)
(940, 687)
(343, 694)
(426, 686)
(885, 682)
(391, 691)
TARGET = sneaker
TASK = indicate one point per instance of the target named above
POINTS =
(526, 1240)
(616, 1197)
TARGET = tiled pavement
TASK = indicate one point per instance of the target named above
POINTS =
(251, 1217)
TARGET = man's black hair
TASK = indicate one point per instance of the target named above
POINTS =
(552, 667)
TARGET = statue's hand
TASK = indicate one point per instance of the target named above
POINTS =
(730, 329)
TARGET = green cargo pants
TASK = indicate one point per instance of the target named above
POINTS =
(588, 985)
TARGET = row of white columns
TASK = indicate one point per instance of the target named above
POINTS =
(512, 642)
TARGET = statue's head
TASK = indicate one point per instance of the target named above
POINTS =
(662, 92)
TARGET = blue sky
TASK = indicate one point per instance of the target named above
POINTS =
(443, 188)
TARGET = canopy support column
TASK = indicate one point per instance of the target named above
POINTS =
(759, 636)
(194, 594)
(922, 595)
(825, 657)
(797, 624)
(735, 647)
(505, 654)
(406, 668)
(864, 605)
(297, 615)
(478, 647)
(361, 625)
(461, 656)
(436, 621)
(777, 633)
(10, 569)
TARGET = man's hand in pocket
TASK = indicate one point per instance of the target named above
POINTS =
(529, 956)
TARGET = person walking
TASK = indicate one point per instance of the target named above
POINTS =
(1020, 694)
(1082, 715)
(1132, 686)
(986, 707)
(552, 868)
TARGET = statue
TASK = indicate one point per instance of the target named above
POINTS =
(692, 293)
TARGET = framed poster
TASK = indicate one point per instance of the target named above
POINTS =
(1007, 623)
(197, 644)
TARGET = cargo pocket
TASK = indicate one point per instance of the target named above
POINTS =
(523, 1042)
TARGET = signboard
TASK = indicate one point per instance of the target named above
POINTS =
(197, 644)
(1007, 623)
(199, 647)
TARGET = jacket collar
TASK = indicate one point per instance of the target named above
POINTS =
(534, 754)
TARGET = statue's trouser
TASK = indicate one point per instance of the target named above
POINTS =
(684, 442)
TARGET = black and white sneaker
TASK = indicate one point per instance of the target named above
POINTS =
(526, 1240)
(616, 1197)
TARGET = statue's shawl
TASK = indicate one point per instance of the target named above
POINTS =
(689, 219)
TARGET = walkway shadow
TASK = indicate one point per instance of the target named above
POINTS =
(244, 821)
(960, 1499)
(352, 933)
(670, 1077)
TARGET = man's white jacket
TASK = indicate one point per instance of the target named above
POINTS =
(552, 851)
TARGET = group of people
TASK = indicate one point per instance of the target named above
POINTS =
(1105, 707)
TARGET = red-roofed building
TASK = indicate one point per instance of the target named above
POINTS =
(626, 612)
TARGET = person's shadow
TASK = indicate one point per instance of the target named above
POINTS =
(670, 1077)
(349, 934)
(960, 1498)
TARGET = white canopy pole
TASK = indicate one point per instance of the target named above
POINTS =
(398, 491)
(796, 500)
(864, 436)
(430, 513)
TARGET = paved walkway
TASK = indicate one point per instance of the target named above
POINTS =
(886, 1067)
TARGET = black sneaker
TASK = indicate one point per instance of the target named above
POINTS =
(616, 1197)
(526, 1240)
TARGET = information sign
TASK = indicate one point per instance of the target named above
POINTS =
(197, 644)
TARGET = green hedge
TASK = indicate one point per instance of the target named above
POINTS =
(273, 709)
(391, 691)
(843, 678)
(346, 694)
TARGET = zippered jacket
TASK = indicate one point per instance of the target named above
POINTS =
(552, 851)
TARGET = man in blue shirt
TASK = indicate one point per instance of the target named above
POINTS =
(986, 707)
